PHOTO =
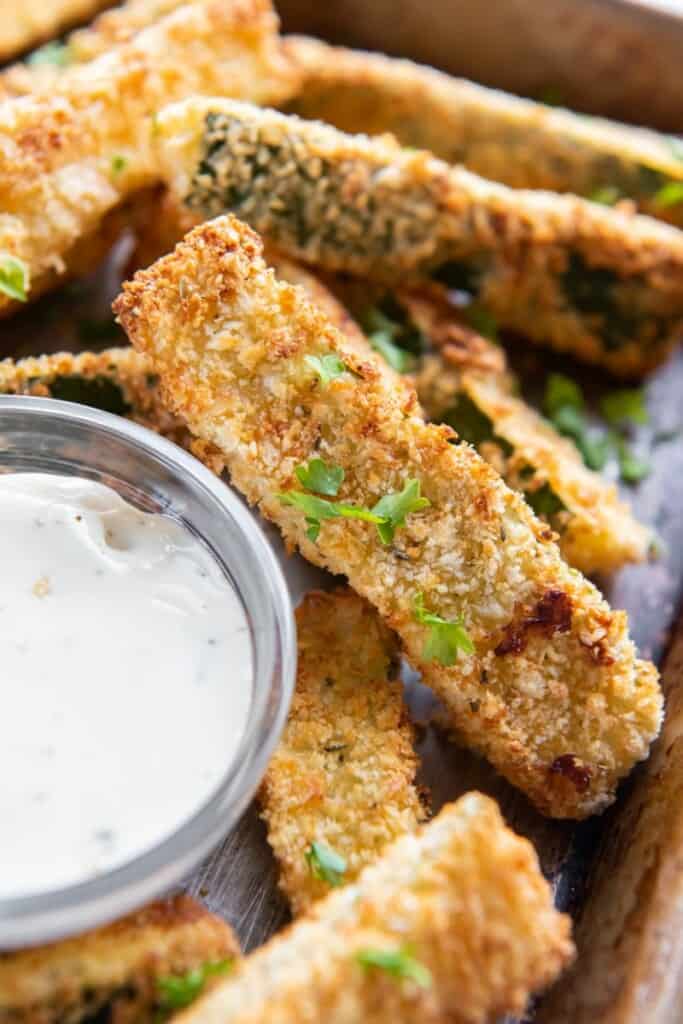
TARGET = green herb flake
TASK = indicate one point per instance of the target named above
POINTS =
(55, 53)
(606, 195)
(118, 163)
(669, 195)
(317, 509)
(321, 478)
(325, 864)
(631, 468)
(392, 335)
(328, 367)
(445, 639)
(564, 404)
(400, 963)
(561, 391)
(626, 406)
(175, 993)
(396, 357)
(13, 277)
(393, 509)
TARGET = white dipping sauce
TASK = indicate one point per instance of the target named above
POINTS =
(125, 682)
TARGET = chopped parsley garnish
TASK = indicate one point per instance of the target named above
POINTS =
(118, 163)
(396, 357)
(400, 963)
(178, 992)
(606, 195)
(13, 277)
(626, 406)
(631, 468)
(325, 864)
(670, 194)
(55, 53)
(320, 478)
(327, 367)
(387, 515)
(564, 405)
(561, 391)
(445, 638)
(393, 335)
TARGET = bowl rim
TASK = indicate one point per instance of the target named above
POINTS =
(48, 915)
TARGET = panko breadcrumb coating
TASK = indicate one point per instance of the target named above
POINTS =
(563, 271)
(462, 902)
(110, 29)
(343, 774)
(629, 935)
(536, 670)
(30, 22)
(118, 966)
(69, 156)
(517, 141)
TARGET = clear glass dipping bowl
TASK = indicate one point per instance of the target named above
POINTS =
(45, 435)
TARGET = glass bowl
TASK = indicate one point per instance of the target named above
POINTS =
(50, 436)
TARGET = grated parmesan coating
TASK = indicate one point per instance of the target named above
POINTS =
(116, 966)
(563, 271)
(463, 894)
(517, 141)
(70, 156)
(343, 773)
(553, 694)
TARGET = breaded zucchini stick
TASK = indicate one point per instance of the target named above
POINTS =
(68, 158)
(579, 276)
(465, 382)
(630, 931)
(340, 786)
(27, 24)
(536, 670)
(43, 71)
(124, 967)
(517, 141)
(453, 923)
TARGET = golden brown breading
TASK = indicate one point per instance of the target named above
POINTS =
(28, 23)
(552, 693)
(517, 141)
(463, 897)
(117, 966)
(108, 30)
(560, 270)
(343, 774)
(67, 158)
(630, 931)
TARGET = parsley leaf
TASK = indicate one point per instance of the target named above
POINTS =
(325, 864)
(561, 391)
(393, 508)
(564, 404)
(54, 53)
(13, 277)
(606, 195)
(178, 992)
(670, 194)
(317, 509)
(386, 334)
(626, 406)
(118, 163)
(631, 468)
(328, 367)
(398, 962)
(317, 476)
(396, 357)
(445, 638)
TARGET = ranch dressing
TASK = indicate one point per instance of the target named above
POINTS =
(125, 682)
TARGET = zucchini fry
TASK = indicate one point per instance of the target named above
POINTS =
(459, 914)
(27, 24)
(562, 271)
(536, 670)
(516, 141)
(343, 774)
(118, 967)
(630, 967)
(67, 158)
(108, 30)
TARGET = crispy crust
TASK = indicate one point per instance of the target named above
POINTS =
(116, 966)
(516, 141)
(630, 932)
(464, 893)
(562, 271)
(29, 23)
(229, 343)
(344, 771)
(69, 157)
